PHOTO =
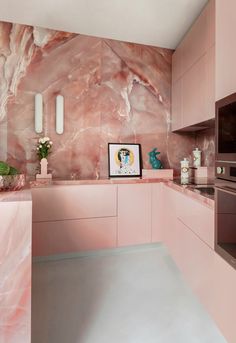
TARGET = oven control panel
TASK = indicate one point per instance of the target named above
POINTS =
(226, 170)
(220, 170)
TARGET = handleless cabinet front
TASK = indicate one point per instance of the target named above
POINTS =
(134, 214)
(73, 202)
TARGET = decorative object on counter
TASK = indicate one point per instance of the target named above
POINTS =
(184, 171)
(43, 170)
(6, 169)
(157, 174)
(124, 160)
(43, 147)
(38, 113)
(43, 150)
(59, 114)
(10, 178)
(73, 175)
(153, 160)
(12, 182)
(203, 173)
(197, 157)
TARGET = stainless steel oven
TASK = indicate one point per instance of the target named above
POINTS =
(226, 128)
(225, 210)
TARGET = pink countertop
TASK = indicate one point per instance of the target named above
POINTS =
(45, 183)
(180, 188)
(23, 195)
(185, 189)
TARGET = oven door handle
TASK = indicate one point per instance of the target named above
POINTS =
(226, 189)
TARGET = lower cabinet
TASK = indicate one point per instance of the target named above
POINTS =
(71, 219)
(71, 236)
(158, 213)
(134, 214)
(210, 277)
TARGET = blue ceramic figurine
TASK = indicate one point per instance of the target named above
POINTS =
(153, 160)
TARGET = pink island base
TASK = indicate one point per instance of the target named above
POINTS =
(15, 267)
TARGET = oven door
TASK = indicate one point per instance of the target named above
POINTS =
(226, 129)
(225, 235)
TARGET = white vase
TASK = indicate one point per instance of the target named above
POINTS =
(44, 170)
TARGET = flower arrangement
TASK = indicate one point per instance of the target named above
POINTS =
(43, 147)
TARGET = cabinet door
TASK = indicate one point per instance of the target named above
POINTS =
(225, 48)
(195, 41)
(177, 63)
(177, 107)
(194, 93)
(198, 217)
(195, 260)
(210, 84)
(73, 236)
(134, 214)
(73, 202)
(157, 212)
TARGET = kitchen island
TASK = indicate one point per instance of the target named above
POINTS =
(15, 266)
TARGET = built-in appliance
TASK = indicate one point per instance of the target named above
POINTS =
(226, 128)
(225, 183)
(225, 234)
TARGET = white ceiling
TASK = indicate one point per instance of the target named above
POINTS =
(154, 22)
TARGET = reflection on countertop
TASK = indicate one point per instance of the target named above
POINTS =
(202, 189)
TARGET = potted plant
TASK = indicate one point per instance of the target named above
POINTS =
(44, 146)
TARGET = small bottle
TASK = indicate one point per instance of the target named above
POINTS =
(196, 158)
(184, 168)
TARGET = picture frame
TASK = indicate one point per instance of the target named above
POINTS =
(124, 160)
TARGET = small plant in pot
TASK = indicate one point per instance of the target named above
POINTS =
(10, 178)
(44, 146)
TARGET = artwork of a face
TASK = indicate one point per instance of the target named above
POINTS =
(124, 159)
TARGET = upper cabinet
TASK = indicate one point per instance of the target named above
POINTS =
(225, 48)
(193, 75)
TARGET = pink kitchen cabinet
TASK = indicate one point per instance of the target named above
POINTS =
(194, 93)
(210, 277)
(177, 104)
(198, 217)
(71, 219)
(195, 41)
(134, 214)
(170, 214)
(157, 218)
(225, 48)
(73, 202)
(193, 72)
(74, 236)
(177, 63)
(198, 91)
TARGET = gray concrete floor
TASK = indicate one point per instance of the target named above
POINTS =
(134, 296)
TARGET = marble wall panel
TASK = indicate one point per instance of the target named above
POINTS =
(114, 92)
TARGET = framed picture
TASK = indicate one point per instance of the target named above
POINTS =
(124, 160)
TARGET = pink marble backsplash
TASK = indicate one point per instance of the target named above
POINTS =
(205, 141)
(114, 92)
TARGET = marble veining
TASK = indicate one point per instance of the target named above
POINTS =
(15, 267)
(114, 92)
